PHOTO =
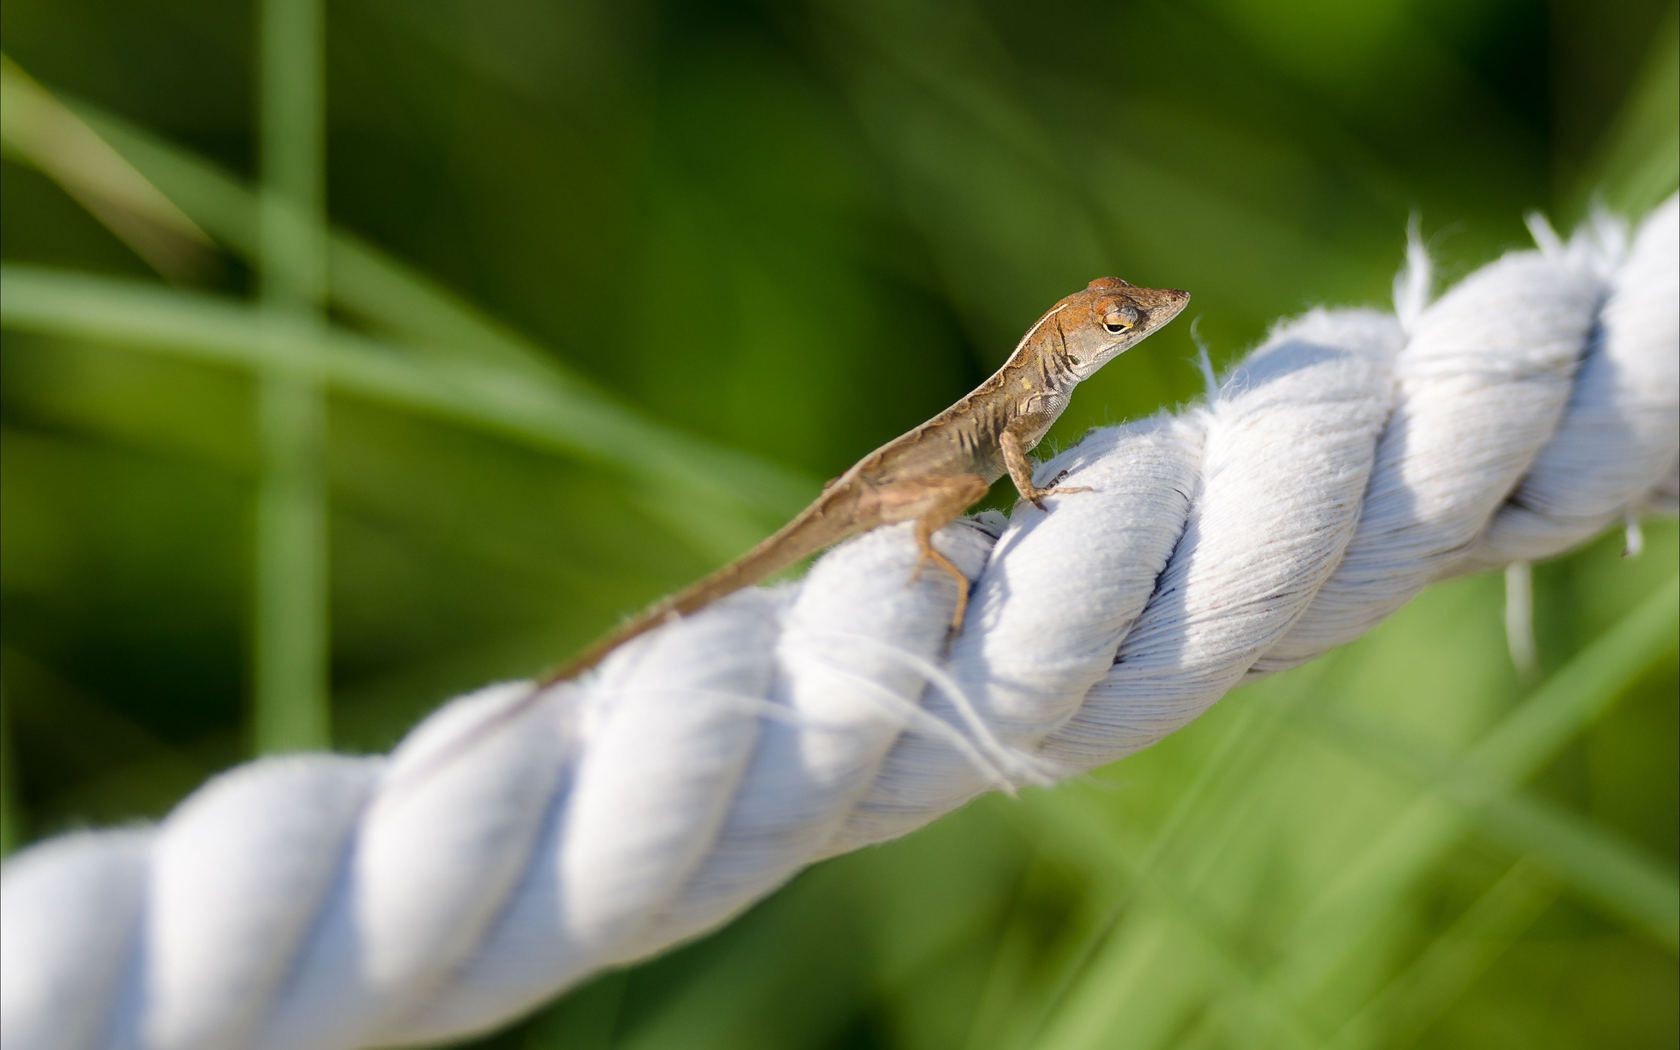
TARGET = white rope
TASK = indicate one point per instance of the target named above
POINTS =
(325, 901)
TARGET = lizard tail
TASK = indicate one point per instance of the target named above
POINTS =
(820, 525)
(817, 527)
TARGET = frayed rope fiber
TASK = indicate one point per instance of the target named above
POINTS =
(329, 901)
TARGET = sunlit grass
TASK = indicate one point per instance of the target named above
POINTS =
(425, 319)
(289, 652)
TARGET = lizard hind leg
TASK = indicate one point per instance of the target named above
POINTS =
(933, 503)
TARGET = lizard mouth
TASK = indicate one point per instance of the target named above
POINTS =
(1171, 303)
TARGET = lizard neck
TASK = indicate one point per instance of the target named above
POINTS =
(1027, 394)
(1040, 364)
(1038, 378)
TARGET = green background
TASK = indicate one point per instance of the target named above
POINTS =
(599, 293)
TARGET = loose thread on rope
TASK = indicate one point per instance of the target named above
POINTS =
(1204, 360)
(1415, 281)
(1519, 618)
(1633, 538)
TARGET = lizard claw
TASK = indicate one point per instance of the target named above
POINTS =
(1036, 496)
(1058, 488)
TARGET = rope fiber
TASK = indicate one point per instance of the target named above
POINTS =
(1354, 457)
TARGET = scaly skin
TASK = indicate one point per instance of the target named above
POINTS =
(934, 473)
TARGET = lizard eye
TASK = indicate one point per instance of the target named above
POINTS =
(1120, 319)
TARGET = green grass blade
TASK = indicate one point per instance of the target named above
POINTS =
(371, 286)
(216, 330)
(1349, 907)
(1404, 1008)
(1603, 869)
(1071, 823)
(1638, 161)
(292, 636)
(37, 129)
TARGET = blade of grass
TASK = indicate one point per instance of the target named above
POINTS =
(1404, 1008)
(37, 128)
(1077, 826)
(370, 285)
(1007, 972)
(1231, 756)
(1601, 868)
(220, 331)
(1216, 799)
(179, 191)
(291, 632)
(1638, 160)
(1090, 1017)
(1338, 919)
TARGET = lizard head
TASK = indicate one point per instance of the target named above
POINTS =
(1110, 317)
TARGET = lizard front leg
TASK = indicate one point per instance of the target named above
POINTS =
(933, 503)
(1020, 469)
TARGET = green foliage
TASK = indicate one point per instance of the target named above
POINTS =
(610, 286)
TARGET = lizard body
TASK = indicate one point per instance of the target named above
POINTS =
(934, 473)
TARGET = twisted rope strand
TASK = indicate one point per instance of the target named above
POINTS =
(326, 901)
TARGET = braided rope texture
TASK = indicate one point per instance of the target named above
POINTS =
(333, 901)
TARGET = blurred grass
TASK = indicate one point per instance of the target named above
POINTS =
(597, 293)
(289, 651)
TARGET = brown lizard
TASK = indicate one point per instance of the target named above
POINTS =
(943, 467)
(928, 476)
